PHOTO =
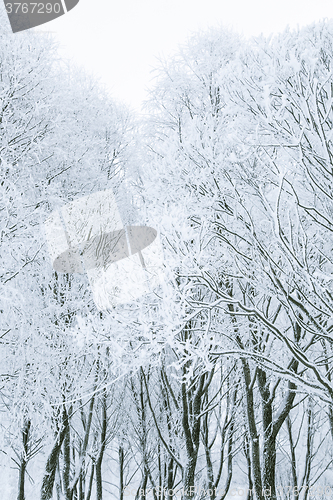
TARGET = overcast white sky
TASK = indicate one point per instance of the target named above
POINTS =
(118, 40)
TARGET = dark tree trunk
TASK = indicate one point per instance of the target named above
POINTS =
(24, 460)
(170, 479)
(249, 466)
(67, 464)
(98, 465)
(271, 428)
(269, 449)
(80, 480)
(191, 427)
(253, 434)
(52, 461)
(121, 472)
(293, 459)
(91, 480)
(229, 475)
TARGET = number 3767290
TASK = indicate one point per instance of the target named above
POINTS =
(33, 8)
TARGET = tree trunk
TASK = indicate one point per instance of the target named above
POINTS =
(67, 464)
(86, 423)
(271, 428)
(24, 460)
(293, 458)
(52, 461)
(189, 473)
(229, 463)
(253, 435)
(91, 480)
(121, 472)
(269, 449)
(249, 466)
(98, 465)
(170, 479)
(191, 412)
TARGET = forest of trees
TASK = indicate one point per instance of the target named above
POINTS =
(217, 383)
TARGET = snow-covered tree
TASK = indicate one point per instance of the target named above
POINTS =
(238, 174)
